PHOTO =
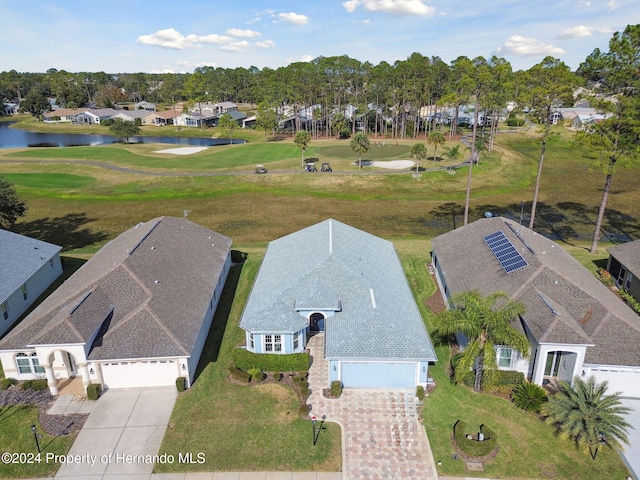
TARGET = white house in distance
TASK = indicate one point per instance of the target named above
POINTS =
(349, 284)
(137, 314)
(28, 267)
(576, 326)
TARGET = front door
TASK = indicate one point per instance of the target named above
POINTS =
(73, 370)
(316, 322)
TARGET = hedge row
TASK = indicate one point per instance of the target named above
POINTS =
(474, 448)
(294, 362)
(240, 375)
(501, 377)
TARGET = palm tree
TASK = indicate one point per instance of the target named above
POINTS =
(360, 144)
(485, 326)
(302, 140)
(437, 139)
(418, 151)
(452, 153)
(585, 413)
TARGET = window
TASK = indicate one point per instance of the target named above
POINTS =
(4, 308)
(627, 284)
(504, 357)
(25, 293)
(273, 343)
(277, 343)
(51, 262)
(268, 343)
(252, 344)
(28, 364)
(296, 340)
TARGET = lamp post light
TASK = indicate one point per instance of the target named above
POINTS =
(35, 437)
(314, 419)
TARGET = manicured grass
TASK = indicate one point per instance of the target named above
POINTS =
(243, 428)
(16, 437)
(528, 447)
(49, 180)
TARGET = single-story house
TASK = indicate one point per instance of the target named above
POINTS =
(144, 105)
(132, 115)
(581, 122)
(137, 314)
(574, 323)
(624, 267)
(349, 284)
(193, 120)
(249, 122)
(237, 115)
(28, 267)
(95, 115)
(165, 117)
(61, 115)
(10, 108)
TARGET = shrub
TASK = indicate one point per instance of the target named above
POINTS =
(181, 384)
(605, 277)
(628, 298)
(474, 448)
(515, 122)
(336, 388)
(508, 377)
(240, 375)
(5, 383)
(256, 374)
(529, 397)
(420, 392)
(93, 391)
(303, 410)
(277, 376)
(268, 362)
(35, 385)
(305, 392)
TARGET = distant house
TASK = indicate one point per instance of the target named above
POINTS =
(165, 117)
(237, 115)
(582, 122)
(150, 107)
(624, 267)
(10, 108)
(249, 122)
(137, 314)
(575, 325)
(61, 115)
(194, 119)
(224, 107)
(132, 115)
(339, 280)
(94, 116)
(28, 267)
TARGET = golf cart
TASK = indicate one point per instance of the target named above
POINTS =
(326, 167)
(260, 169)
(310, 167)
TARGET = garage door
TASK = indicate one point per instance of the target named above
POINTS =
(627, 382)
(379, 375)
(139, 374)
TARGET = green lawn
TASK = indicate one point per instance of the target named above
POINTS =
(16, 437)
(242, 428)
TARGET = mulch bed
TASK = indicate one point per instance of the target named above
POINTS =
(54, 425)
(435, 302)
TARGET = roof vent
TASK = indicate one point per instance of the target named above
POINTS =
(153, 248)
(156, 281)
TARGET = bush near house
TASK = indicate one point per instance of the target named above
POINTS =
(473, 447)
(295, 362)
(181, 384)
(35, 385)
(94, 390)
(529, 397)
(5, 383)
(502, 378)
(336, 388)
(240, 374)
(257, 375)
(629, 300)
(420, 392)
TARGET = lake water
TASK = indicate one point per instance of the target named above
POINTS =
(15, 138)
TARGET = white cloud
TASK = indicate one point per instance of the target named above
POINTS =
(612, 4)
(236, 46)
(306, 58)
(265, 44)
(294, 18)
(366, 21)
(253, 20)
(393, 7)
(171, 38)
(237, 32)
(525, 47)
(576, 32)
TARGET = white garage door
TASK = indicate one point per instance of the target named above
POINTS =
(379, 375)
(627, 382)
(139, 374)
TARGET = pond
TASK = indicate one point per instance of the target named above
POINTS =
(16, 138)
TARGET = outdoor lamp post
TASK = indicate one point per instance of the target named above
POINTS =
(35, 437)
(314, 419)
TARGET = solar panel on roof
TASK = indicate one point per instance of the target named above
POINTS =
(505, 252)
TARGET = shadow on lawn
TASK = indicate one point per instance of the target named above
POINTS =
(221, 318)
(69, 231)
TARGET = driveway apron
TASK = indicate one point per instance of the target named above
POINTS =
(382, 437)
(123, 428)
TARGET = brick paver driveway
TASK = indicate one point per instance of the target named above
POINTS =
(381, 435)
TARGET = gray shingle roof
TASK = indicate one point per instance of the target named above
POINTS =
(588, 313)
(336, 265)
(629, 255)
(146, 292)
(20, 258)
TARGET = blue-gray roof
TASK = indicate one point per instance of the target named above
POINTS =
(333, 266)
(20, 258)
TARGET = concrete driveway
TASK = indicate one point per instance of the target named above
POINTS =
(123, 427)
(632, 452)
(382, 437)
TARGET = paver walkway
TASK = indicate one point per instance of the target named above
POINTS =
(382, 437)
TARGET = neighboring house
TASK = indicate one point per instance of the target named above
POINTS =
(335, 278)
(574, 323)
(28, 267)
(94, 115)
(624, 267)
(132, 115)
(193, 120)
(249, 122)
(582, 122)
(61, 115)
(137, 314)
(150, 107)
(237, 115)
(224, 107)
(165, 117)
(10, 108)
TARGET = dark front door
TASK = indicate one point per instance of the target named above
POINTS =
(316, 322)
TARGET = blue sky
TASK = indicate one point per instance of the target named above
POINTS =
(158, 36)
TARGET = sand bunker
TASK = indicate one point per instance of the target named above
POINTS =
(394, 164)
(182, 150)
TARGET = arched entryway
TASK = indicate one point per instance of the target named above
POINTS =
(316, 322)
(560, 364)
(62, 367)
